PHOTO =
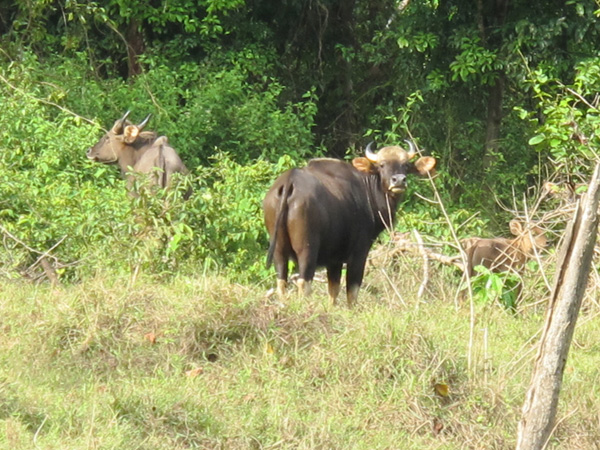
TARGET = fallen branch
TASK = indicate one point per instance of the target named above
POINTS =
(43, 260)
(401, 244)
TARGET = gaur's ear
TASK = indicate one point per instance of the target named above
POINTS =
(363, 164)
(130, 134)
(515, 227)
(425, 165)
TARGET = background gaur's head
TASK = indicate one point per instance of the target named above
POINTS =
(393, 164)
(121, 136)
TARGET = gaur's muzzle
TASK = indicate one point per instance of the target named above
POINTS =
(397, 183)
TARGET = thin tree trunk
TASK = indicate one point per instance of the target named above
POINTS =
(135, 47)
(344, 21)
(539, 408)
(496, 18)
(494, 121)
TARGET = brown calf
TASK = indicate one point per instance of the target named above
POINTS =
(502, 254)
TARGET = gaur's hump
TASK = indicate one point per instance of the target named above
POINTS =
(330, 167)
(162, 140)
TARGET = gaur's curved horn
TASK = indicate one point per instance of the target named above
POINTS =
(412, 148)
(144, 122)
(118, 127)
(370, 154)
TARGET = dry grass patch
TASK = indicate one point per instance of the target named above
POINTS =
(204, 363)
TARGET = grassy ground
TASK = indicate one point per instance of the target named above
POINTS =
(204, 363)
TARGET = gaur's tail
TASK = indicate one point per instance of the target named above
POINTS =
(163, 166)
(282, 210)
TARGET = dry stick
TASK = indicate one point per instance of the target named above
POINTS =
(48, 270)
(562, 419)
(463, 256)
(425, 265)
(390, 229)
(389, 280)
(531, 239)
(403, 245)
(47, 252)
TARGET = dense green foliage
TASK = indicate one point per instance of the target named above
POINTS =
(503, 94)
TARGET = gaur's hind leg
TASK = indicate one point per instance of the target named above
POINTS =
(334, 276)
(354, 275)
(304, 287)
(281, 267)
(307, 264)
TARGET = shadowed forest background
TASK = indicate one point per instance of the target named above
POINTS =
(503, 93)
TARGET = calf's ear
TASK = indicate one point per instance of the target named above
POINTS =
(425, 165)
(515, 227)
(363, 164)
(130, 134)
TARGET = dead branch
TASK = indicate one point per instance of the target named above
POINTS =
(401, 244)
(48, 268)
(425, 257)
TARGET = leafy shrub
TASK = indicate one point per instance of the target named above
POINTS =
(220, 226)
(53, 198)
(503, 287)
(199, 106)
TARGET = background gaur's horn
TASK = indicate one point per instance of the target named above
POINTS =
(370, 154)
(412, 151)
(118, 127)
(144, 122)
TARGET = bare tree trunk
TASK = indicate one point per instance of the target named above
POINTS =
(135, 47)
(494, 121)
(539, 408)
(495, 16)
(344, 21)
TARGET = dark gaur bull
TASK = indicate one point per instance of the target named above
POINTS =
(138, 151)
(330, 212)
(502, 254)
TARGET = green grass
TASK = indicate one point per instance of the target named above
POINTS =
(230, 368)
